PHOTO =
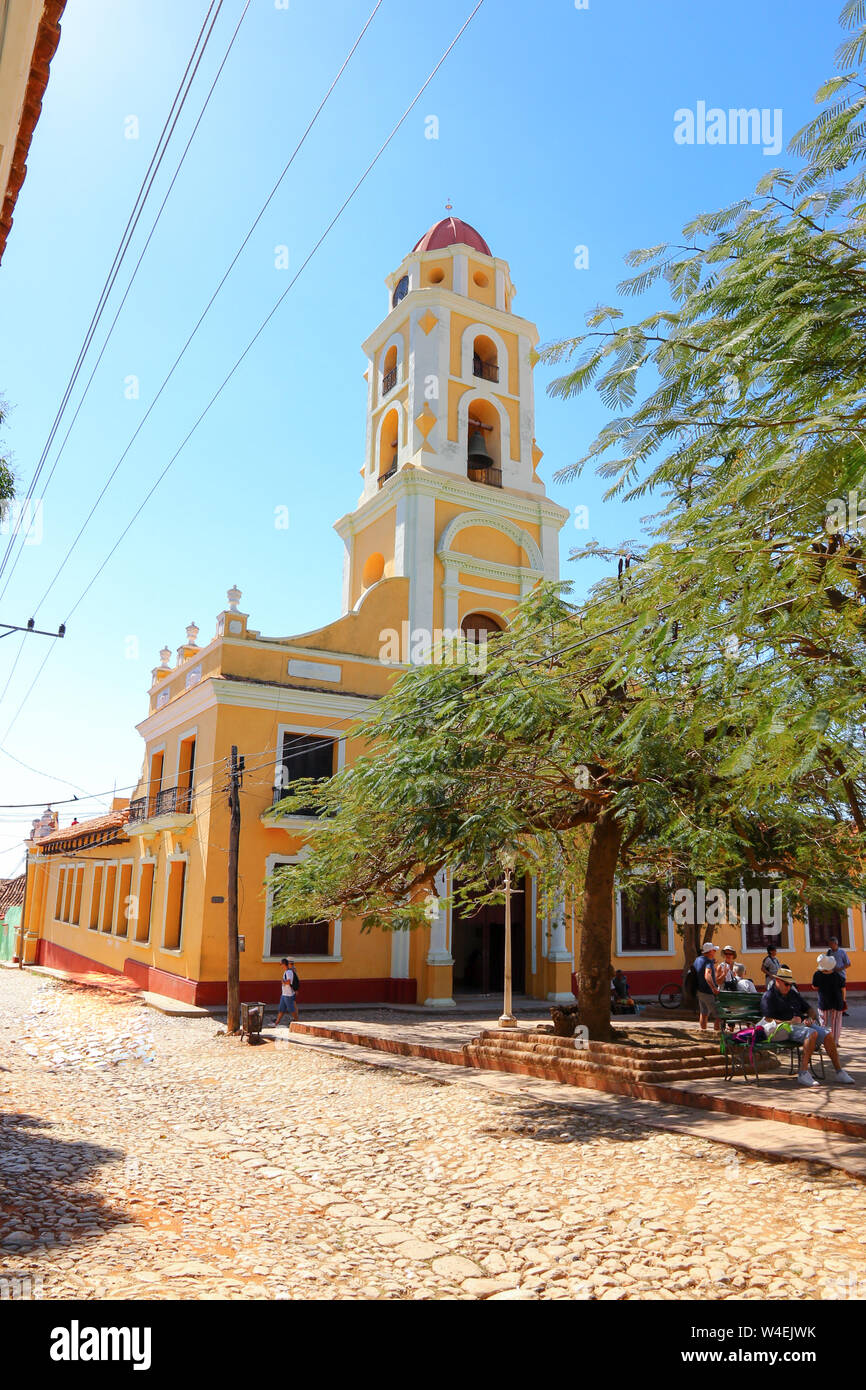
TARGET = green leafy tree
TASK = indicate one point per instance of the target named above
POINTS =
(700, 714)
(551, 755)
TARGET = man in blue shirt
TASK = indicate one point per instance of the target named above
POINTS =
(707, 988)
(783, 1004)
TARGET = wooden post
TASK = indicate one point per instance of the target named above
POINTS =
(233, 984)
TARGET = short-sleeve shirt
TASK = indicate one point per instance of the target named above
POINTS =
(700, 967)
(288, 985)
(829, 987)
(769, 965)
(841, 958)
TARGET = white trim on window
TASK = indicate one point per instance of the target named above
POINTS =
(314, 732)
(336, 934)
(808, 934)
(169, 859)
(670, 950)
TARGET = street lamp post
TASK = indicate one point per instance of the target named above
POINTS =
(507, 1019)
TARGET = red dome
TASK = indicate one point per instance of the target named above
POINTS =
(449, 232)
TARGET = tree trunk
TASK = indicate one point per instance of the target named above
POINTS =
(596, 935)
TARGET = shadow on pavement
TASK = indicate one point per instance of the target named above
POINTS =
(43, 1186)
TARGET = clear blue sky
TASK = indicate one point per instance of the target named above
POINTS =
(555, 129)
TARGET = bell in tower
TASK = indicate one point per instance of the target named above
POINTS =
(477, 455)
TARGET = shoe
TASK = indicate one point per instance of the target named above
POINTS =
(805, 1078)
(844, 1079)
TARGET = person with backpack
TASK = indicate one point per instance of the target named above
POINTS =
(289, 986)
(831, 997)
(707, 989)
(785, 1016)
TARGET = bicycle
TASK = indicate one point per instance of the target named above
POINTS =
(671, 996)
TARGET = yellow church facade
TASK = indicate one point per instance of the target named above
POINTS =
(452, 528)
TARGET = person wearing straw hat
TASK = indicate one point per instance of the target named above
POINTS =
(725, 976)
(785, 1015)
(831, 1000)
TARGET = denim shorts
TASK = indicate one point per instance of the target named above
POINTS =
(800, 1032)
(287, 1004)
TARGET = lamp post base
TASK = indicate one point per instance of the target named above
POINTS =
(507, 1021)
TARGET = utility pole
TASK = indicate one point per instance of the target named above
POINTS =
(233, 990)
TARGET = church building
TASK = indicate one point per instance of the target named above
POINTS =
(452, 528)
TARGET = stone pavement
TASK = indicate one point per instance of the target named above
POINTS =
(777, 1094)
(143, 1156)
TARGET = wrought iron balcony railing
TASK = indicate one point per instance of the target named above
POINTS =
(173, 800)
(389, 381)
(166, 802)
(491, 476)
(390, 473)
(486, 370)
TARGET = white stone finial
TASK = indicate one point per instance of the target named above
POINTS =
(234, 598)
(164, 658)
(191, 635)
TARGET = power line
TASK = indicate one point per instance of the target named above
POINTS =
(374, 161)
(138, 207)
(210, 302)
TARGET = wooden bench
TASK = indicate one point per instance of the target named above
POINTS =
(738, 1009)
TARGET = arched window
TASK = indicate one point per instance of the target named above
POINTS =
(477, 627)
(389, 437)
(483, 451)
(389, 370)
(484, 359)
(400, 291)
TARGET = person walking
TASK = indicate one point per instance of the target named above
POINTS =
(786, 1013)
(289, 986)
(831, 1003)
(843, 965)
(707, 989)
(769, 966)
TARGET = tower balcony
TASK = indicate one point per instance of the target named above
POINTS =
(487, 371)
(491, 477)
(389, 381)
(168, 809)
(385, 476)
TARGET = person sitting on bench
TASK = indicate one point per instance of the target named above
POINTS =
(741, 983)
(782, 1003)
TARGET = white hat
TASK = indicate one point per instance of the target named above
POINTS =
(709, 946)
(826, 963)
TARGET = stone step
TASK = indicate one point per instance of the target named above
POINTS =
(650, 1060)
(576, 1065)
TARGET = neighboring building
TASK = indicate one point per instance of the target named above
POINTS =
(452, 528)
(29, 35)
(11, 903)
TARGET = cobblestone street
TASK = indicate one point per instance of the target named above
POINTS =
(144, 1157)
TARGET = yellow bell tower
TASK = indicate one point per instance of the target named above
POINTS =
(451, 499)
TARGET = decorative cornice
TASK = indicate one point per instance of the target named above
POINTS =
(408, 479)
(435, 297)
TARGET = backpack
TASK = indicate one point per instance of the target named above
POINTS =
(748, 1037)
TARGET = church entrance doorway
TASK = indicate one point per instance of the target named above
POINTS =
(478, 947)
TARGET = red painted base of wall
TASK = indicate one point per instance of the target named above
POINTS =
(55, 957)
(374, 991)
(212, 993)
